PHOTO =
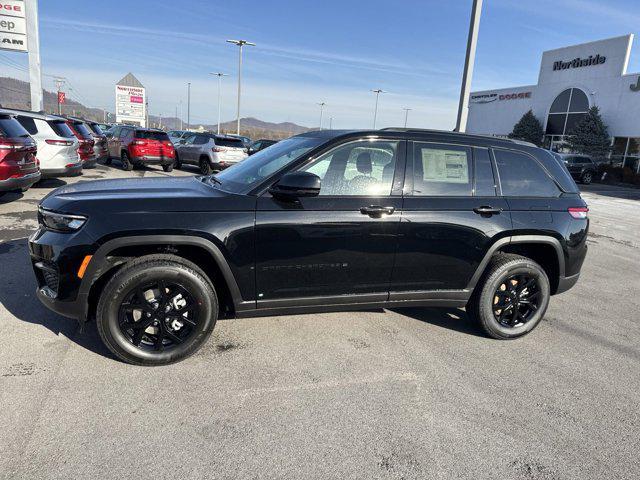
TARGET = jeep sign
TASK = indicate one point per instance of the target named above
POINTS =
(13, 26)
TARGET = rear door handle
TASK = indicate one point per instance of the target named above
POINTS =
(487, 210)
(376, 210)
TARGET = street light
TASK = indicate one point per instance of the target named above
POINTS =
(377, 91)
(406, 115)
(322, 104)
(219, 75)
(240, 43)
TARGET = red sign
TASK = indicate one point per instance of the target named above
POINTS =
(61, 97)
(135, 99)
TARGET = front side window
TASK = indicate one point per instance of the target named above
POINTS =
(357, 168)
(441, 170)
(522, 176)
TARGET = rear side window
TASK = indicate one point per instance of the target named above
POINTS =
(229, 142)
(201, 140)
(485, 185)
(441, 170)
(10, 128)
(28, 123)
(521, 176)
(151, 135)
(61, 129)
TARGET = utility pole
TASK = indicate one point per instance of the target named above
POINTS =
(160, 126)
(240, 44)
(188, 104)
(219, 75)
(377, 91)
(35, 68)
(330, 123)
(59, 81)
(406, 115)
(181, 124)
(467, 74)
(322, 104)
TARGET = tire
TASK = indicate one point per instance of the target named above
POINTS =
(178, 163)
(167, 168)
(119, 300)
(586, 178)
(205, 166)
(126, 163)
(108, 160)
(497, 288)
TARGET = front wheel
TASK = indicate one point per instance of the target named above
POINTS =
(512, 297)
(205, 166)
(587, 178)
(157, 310)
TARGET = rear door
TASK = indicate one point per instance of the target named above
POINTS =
(186, 149)
(451, 216)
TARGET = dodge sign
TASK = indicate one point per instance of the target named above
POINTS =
(13, 26)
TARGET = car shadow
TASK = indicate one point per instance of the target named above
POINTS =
(607, 190)
(451, 318)
(53, 182)
(17, 295)
(8, 197)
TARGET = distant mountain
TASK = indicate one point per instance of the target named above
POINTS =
(15, 94)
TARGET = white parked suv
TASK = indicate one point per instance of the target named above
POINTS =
(57, 145)
(210, 152)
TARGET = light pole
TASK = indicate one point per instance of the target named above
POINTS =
(377, 91)
(219, 75)
(181, 122)
(465, 89)
(330, 123)
(406, 115)
(239, 43)
(188, 104)
(322, 104)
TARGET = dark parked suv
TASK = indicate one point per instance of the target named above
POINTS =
(581, 167)
(323, 221)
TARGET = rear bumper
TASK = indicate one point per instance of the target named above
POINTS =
(153, 160)
(62, 172)
(21, 182)
(89, 162)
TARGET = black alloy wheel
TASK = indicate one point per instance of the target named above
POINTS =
(205, 166)
(587, 177)
(158, 316)
(516, 300)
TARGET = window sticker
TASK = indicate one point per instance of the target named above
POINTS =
(450, 166)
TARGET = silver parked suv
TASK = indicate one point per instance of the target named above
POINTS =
(210, 152)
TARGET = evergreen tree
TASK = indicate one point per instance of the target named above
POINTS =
(528, 129)
(590, 136)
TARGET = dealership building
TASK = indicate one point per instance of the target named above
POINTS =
(571, 80)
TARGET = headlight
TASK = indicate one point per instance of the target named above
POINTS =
(60, 222)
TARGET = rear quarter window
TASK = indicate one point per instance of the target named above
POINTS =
(61, 129)
(82, 129)
(28, 123)
(522, 176)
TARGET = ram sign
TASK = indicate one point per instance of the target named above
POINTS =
(130, 105)
(13, 26)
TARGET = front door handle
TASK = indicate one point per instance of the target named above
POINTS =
(487, 210)
(376, 211)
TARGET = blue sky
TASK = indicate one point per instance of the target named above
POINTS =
(310, 51)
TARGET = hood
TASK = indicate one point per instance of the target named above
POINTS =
(170, 194)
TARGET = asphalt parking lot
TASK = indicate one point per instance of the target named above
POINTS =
(417, 393)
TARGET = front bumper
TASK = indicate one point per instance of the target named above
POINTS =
(153, 160)
(21, 182)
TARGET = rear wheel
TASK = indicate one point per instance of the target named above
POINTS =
(587, 178)
(126, 162)
(178, 163)
(108, 160)
(157, 310)
(205, 166)
(167, 168)
(512, 297)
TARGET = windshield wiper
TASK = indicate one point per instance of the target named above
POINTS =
(213, 179)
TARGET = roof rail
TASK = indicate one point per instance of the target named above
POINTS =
(475, 135)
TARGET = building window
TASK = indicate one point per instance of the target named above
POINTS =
(566, 111)
(626, 153)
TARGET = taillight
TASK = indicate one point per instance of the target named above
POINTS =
(65, 143)
(578, 212)
(6, 145)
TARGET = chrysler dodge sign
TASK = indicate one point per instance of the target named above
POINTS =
(13, 26)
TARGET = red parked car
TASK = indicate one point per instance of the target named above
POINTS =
(19, 167)
(86, 142)
(141, 146)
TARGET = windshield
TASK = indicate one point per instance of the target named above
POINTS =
(243, 176)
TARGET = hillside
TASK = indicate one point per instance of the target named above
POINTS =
(15, 94)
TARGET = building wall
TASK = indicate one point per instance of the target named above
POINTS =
(606, 84)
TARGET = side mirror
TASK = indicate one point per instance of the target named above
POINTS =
(296, 185)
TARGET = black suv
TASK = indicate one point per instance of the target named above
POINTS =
(324, 221)
(581, 167)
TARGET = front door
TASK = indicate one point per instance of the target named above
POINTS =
(341, 242)
(186, 149)
(451, 216)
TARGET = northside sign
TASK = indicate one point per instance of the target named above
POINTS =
(579, 62)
